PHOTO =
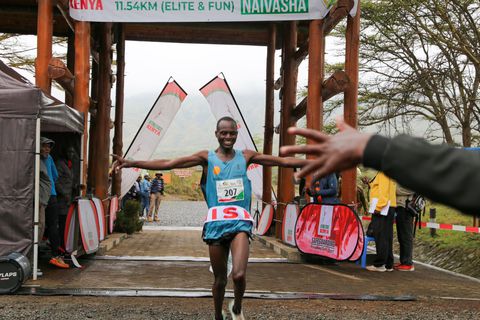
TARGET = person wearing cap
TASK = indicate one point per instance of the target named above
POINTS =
(156, 192)
(228, 191)
(52, 210)
(145, 194)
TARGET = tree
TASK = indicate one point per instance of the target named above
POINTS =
(420, 59)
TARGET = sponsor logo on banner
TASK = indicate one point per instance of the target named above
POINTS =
(86, 4)
(324, 244)
(325, 222)
(274, 6)
(199, 10)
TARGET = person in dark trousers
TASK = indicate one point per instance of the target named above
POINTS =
(382, 206)
(52, 210)
(156, 193)
(405, 226)
(440, 173)
(325, 190)
(64, 187)
(228, 194)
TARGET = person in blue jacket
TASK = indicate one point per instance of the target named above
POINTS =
(325, 190)
(228, 195)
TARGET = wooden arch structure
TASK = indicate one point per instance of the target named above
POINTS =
(87, 76)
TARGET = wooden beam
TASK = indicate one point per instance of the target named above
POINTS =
(352, 44)
(82, 79)
(44, 44)
(335, 84)
(338, 12)
(70, 66)
(269, 114)
(102, 140)
(59, 72)
(119, 103)
(316, 52)
(286, 190)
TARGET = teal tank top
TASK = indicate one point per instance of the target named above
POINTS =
(227, 184)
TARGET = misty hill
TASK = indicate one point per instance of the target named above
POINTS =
(194, 125)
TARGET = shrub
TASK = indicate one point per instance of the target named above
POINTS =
(128, 219)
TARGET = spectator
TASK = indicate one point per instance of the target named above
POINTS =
(156, 192)
(52, 209)
(65, 188)
(145, 194)
(45, 185)
(405, 227)
(382, 206)
(325, 190)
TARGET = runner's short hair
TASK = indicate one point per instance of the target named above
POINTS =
(226, 118)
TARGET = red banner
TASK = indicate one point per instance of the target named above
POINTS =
(332, 231)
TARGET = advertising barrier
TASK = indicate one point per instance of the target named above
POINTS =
(331, 231)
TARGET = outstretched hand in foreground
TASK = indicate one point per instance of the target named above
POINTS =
(119, 163)
(341, 151)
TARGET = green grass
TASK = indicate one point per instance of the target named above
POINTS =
(446, 238)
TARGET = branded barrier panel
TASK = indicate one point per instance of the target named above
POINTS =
(265, 220)
(89, 227)
(98, 206)
(288, 225)
(113, 208)
(331, 231)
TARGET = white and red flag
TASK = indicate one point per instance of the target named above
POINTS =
(223, 104)
(152, 130)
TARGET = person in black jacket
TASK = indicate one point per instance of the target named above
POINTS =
(65, 188)
(439, 172)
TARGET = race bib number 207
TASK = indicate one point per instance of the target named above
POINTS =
(230, 190)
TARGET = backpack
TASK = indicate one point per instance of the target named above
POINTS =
(416, 206)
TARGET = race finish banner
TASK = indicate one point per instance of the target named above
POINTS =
(199, 10)
(152, 130)
(223, 104)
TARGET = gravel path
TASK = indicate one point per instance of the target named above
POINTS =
(181, 213)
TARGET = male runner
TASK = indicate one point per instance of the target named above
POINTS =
(228, 195)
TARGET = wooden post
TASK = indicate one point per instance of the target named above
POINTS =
(316, 61)
(269, 113)
(349, 177)
(286, 190)
(117, 138)
(44, 44)
(70, 66)
(92, 147)
(103, 111)
(81, 99)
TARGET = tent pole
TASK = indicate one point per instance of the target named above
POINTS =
(36, 204)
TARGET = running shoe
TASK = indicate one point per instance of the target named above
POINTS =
(404, 267)
(157, 219)
(233, 314)
(58, 262)
(150, 219)
(376, 269)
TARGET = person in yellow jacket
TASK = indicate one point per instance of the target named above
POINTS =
(382, 207)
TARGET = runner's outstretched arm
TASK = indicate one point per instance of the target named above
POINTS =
(199, 158)
(269, 160)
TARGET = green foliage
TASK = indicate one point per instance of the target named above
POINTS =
(128, 219)
(187, 188)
